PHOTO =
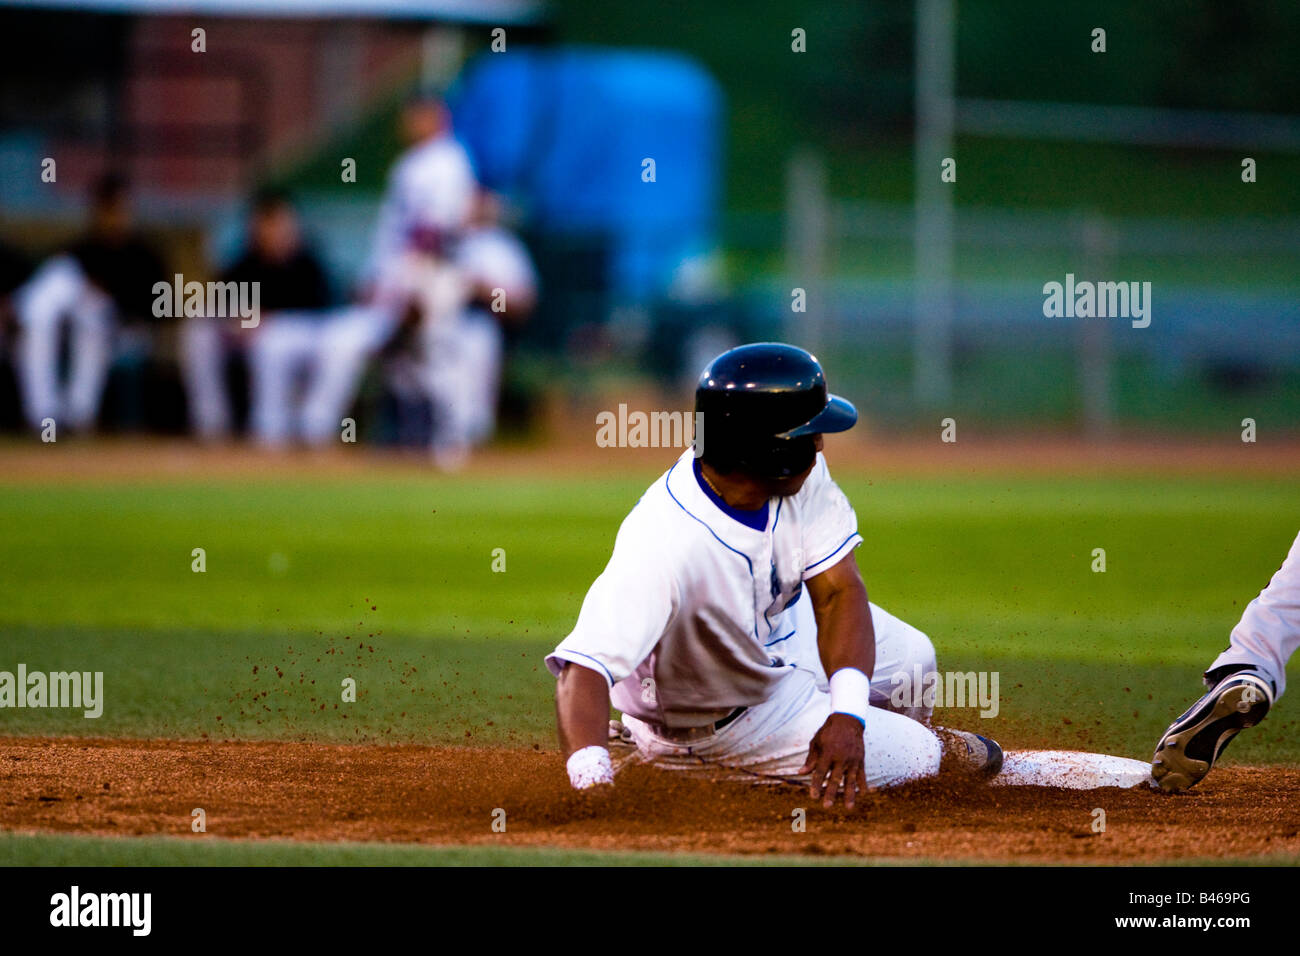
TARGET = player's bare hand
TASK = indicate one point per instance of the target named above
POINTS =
(837, 758)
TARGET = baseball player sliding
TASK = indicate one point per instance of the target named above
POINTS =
(1243, 682)
(732, 593)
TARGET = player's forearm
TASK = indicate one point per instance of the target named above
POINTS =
(581, 708)
(845, 636)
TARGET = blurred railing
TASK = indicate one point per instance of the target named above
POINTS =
(1225, 310)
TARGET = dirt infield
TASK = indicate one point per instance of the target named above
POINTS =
(574, 453)
(447, 796)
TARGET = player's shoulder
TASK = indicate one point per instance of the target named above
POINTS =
(658, 522)
(649, 510)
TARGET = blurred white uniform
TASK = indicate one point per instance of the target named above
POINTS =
(462, 369)
(1269, 630)
(291, 344)
(204, 346)
(426, 206)
(429, 197)
(59, 291)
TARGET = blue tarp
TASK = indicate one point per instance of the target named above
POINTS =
(566, 132)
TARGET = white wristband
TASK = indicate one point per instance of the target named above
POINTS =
(851, 693)
(590, 766)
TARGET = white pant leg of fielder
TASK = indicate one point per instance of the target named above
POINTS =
(203, 367)
(347, 340)
(60, 291)
(900, 650)
(772, 739)
(1269, 630)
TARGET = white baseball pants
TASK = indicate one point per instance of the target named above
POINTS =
(60, 292)
(329, 353)
(462, 375)
(772, 738)
(204, 346)
(1269, 630)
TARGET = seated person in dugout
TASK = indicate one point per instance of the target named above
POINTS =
(731, 595)
(292, 293)
(94, 288)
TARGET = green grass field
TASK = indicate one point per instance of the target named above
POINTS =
(390, 581)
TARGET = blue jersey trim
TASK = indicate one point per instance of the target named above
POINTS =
(833, 553)
(779, 639)
(755, 518)
(608, 676)
(749, 564)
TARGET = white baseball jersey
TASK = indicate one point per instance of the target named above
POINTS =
(693, 615)
(430, 191)
(463, 355)
(494, 257)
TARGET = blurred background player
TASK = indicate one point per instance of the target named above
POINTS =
(293, 292)
(663, 208)
(427, 204)
(103, 280)
(1244, 681)
(462, 352)
(410, 277)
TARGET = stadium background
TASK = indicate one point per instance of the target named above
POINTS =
(798, 173)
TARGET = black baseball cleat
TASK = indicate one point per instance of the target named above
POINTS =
(969, 753)
(1194, 741)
